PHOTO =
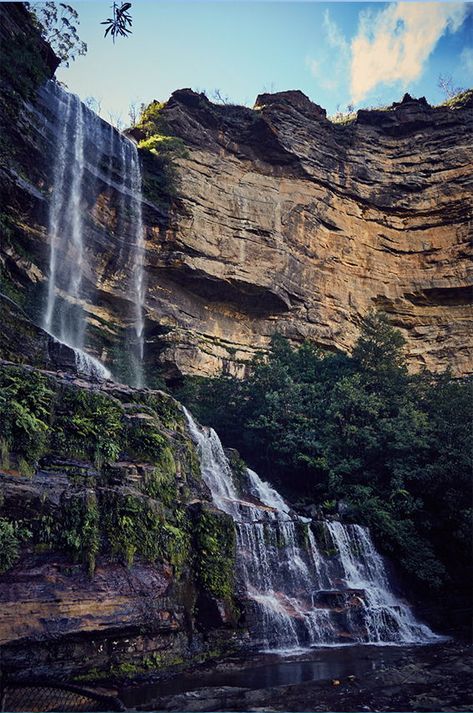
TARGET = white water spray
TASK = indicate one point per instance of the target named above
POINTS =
(297, 594)
(78, 169)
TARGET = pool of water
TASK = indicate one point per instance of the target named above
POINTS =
(269, 670)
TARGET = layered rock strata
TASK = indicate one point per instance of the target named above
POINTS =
(277, 220)
(103, 524)
(288, 222)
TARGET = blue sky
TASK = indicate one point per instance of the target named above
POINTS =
(336, 53)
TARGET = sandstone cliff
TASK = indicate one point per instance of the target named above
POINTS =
(288, 222)
(276, 220)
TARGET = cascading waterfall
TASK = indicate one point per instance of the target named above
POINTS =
(88, 155)
(300, 590)
(138, 261)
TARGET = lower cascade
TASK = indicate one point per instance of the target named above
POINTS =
(303, 585)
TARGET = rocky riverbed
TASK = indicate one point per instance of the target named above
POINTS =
(428, 678)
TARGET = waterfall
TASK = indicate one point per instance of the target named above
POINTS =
(88, 156)
(138, 260)
(300, 590)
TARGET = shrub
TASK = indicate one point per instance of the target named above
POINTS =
(25, 404)
(11, 536)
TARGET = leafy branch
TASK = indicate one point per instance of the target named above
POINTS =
(120, 22)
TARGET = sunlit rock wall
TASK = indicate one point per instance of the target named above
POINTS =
(278, 220)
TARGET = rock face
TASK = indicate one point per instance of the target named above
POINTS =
(288, 222)
(102, 569)
(277, 220)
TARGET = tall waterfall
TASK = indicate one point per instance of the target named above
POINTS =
(303, 590)
(90, 156)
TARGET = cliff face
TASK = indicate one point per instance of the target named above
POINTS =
(106, 528)
(277, 220)
(288, 222)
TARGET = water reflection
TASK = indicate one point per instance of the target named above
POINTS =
(271, 670)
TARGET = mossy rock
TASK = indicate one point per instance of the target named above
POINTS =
(239, 469)
(214, 542)
(136, 526)
(87, 424)
(323, 538)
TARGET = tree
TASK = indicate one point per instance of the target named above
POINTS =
(135, 110)
(445, 83)
(379, 347)
(118, 25)
(58, 25)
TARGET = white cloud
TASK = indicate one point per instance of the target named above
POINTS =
(466, 58)
(393, 45)
(331, 71)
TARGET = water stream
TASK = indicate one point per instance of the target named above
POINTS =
(90, 155)
(304, 586)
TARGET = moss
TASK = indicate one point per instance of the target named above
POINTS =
(24, 468)
(10, 288)
(4, 454)
(88, 425)
(160, 483)
(214, 534)
(323, 538)
(302, 532)
(41, 417)
(73, 528)
(167, 410)
(135, 526)
(239, 469)
(157, 660)
(80, 533)
(162, 659)
(175, 546)
(280, 539)
(93, 675)
(145, 442)
(25, 405)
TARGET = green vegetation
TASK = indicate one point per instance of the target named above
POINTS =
(120, 23)
(88, 425)
(459, 100)
(43, 421)
(25, 404)
(24, 67)
(136, 526)
(215, 553)
(159, 148)
(11, 536)
(57, 23)
(359, 429)
(74, 528)
(161, 481)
